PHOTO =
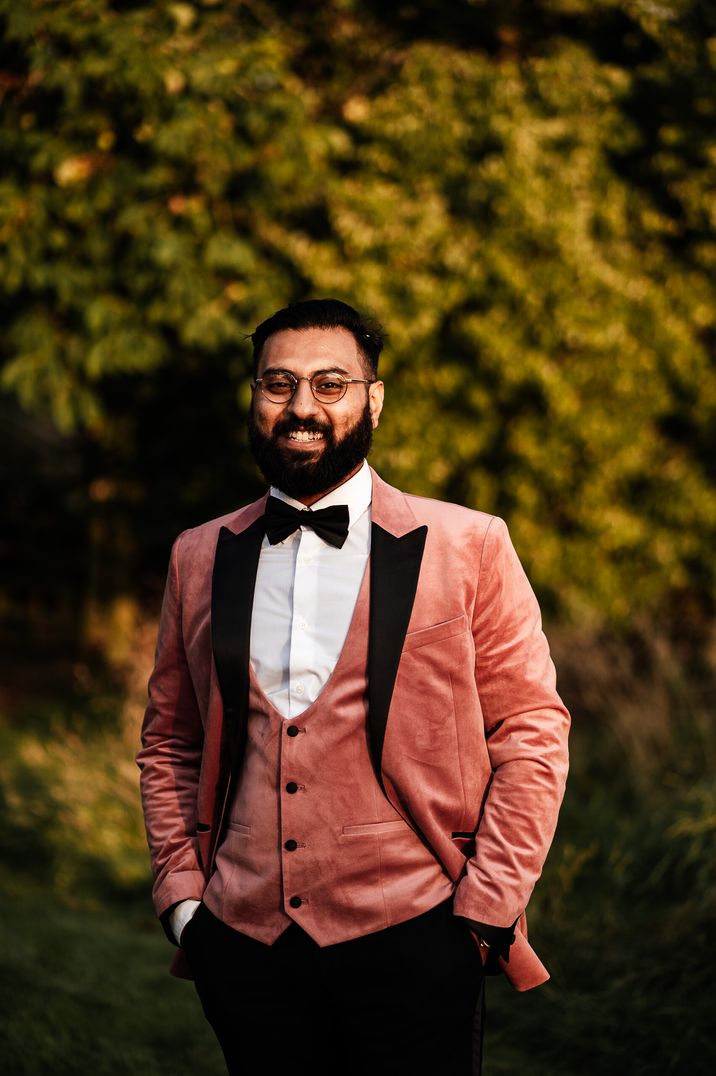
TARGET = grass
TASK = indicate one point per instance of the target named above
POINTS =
(88, 992)
(625, 914)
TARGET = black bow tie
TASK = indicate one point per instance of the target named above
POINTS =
(330, 524)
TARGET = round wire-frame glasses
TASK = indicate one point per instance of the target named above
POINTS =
(327, 386)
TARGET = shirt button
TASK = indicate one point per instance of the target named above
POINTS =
(292, 730)
(291, 787)
(299, 688)
(291, 846)
(295, 902)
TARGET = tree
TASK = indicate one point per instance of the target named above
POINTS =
(520, 192)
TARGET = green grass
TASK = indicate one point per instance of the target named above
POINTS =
(87, 992)
(624, 916)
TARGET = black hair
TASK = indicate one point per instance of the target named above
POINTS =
(324, 314)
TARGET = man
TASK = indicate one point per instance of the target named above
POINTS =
(354, 753)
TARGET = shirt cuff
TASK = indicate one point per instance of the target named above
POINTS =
(180, 916)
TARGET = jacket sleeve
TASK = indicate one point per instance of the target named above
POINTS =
(170, 758)
(526, 727)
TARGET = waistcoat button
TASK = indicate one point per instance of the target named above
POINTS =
(295, 902)
(291, 845)
(292, 787)
(292, 730)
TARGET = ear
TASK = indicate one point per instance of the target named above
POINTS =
(376, 393)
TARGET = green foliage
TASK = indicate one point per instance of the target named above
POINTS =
(69, 807)
(521, 194)
(624, 914)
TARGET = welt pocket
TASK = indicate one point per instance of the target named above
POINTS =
(238, 828)
(371, 829)
(435, 633)
(465, 842)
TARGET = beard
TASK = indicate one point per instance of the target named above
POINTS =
(299, 476)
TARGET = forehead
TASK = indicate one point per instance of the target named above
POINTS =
(303, 351)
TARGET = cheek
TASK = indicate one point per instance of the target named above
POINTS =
(264, 417)
(343, 427)
(349, 419)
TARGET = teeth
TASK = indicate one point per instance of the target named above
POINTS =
(304, 435)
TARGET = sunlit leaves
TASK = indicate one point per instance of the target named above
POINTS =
(535, 227)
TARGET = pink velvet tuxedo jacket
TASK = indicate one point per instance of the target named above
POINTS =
(468, 736)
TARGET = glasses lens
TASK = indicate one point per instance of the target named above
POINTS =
(278, 387)
(328, 387)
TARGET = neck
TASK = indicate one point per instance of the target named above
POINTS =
(308, 501)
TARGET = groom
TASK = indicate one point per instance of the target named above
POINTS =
(354, 753)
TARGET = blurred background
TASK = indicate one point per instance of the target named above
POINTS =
(523, 192)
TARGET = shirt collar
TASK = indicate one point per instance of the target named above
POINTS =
(357, 493)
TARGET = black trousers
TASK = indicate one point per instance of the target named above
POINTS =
(401, 1002)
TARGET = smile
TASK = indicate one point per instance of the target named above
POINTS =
(305, 435)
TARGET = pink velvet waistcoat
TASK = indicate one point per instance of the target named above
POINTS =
(311, 836)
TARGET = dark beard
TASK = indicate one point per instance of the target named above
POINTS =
(305, 477)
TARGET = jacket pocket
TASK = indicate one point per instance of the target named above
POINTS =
(435, 633)
(465, 843)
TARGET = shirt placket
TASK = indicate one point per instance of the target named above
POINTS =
(300, 656)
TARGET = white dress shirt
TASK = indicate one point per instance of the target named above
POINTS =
(305, 597)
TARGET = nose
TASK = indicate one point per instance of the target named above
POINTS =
(303, 403)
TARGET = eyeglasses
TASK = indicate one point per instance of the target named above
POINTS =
(327, 386)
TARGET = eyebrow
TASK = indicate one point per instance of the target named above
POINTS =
(325, 370)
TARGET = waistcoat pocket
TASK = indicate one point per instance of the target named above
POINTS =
(238, 828)
(372, 829)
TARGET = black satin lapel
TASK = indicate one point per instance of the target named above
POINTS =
(232, 599)
(394, 570)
